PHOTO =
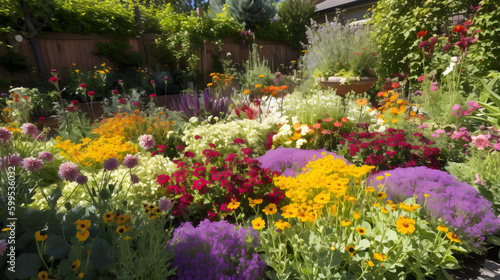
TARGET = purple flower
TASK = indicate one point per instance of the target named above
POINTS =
(68, 171)
(434, 88)
(130, 161)
(134, 179)
(5, 135)
(146, 141)
(111, 164)
(32, 164)
(165, 204)
(82, 180)
(455, 107)
(3, 247)
(29, 129)
(12, 160)
(46, 156)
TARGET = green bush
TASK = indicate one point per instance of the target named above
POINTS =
(296, 15)
(250, 12)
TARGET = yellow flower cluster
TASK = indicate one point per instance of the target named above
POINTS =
(220, 80)
(90, 152)
(326, 181)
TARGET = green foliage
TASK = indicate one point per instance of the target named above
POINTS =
(250, 12)
(10, 15)
(118, 52)
(296, 15)
(490, 101)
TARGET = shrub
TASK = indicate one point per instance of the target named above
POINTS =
(296, 15)
(457, 203)
(216, 250)
(251, 13)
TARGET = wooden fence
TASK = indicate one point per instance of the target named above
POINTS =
(62, 50)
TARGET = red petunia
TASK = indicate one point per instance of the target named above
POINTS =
(460, 29)
(422, 34)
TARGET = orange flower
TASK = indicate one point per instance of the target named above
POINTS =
(344, 119)
(395, 85)
(362, 101)
(421, 34)
(337, 124)
(283, 87)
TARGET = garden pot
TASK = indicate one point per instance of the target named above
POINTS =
(364, 84)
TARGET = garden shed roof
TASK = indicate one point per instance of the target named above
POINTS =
(324, 6)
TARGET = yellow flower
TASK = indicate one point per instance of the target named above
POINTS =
(251, 202)
(350, 249)
(380, 257)
(282, 225)
(442, 228)
(453, 237)
(405, 225)
(361, 101)
(261, 76)
(270, 209)
(81, 274)
(387, 174)
(384, 210)
(209, 84)
(82, 225)
(77, 71)
(334, 210)
(123, 219)
(370, 263)
(369, 189)
(43, 275)
(258, 85)
(258, 223)
(75, 265)
(127, 237)
(258, 201)
(361, 230)
(345, 222)
(322, 198)
(356, 214)
(122, 229)
(376, 205)
(380, 177)
(40, 237)
(426, 195)
(82, 235)
(109, 217)
(381, 195)
(233, 205)
(394, 120)
(332, 248)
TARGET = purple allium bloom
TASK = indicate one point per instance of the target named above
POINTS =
(5, 135)
(165, 204)
(290, 160)
(134, 179)
(3, 247)
(82, 180)
(146, 141)
(32, 164)
(130, 161)
(215, 251)
(46, 156)
(111, 164)
(458, 204)
(69, 171)
(29, 129)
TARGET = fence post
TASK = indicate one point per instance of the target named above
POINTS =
(140, 40)
(32, 37)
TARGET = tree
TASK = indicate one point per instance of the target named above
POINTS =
(297, 14)
(250, 12)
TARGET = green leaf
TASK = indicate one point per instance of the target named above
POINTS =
(101, 255)
(56, 247)
(27, 266)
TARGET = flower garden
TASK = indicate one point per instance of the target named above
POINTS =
(265, 174)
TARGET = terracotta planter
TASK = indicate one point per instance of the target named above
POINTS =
(364, 84)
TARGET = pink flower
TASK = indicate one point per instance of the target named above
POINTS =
(3, 247)
(437, 132)
(91, 93)
(180, 147)
(122, 101)
(68, 171)
(478, 180)
(136, 104)
(74, 102)
(497, 146)
(473, 105)
(455, 107)
(32, 164)
(53, 80)
(246, 151)
(196, 137)
(423, 126)
(239, 141)
(434, 88)
(146, 141)
(120, 81)
(115, 91)
(29, 129)
(111, 164)
(12, 160)
(165, 78)
(130, 161)
(152, 96)
(5, 135)
(83, 85)
(481, 141)
(152, 81)
(46, 156)
(421, 78)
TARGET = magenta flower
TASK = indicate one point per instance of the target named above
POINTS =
(42, 120)
(12, 160)
(32, 164)
(111, 164)
(478, 180)
(152, 96)
(165, 78)
(5, 135)
(196, 137)
(91, 93)
(83, 85)
(130, 161)
(180, 147)
(421, 78)
(122, 101)
(136, 104)
(120, 81)
(45, 156)
(115, 91)
(434, 88)
(54, 80)
(146, 141)
(239, 141)
(69, 171)
(152, 81)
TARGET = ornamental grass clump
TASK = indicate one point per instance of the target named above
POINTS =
(458, 204)
(335, 226)
(290, 161)
(216, 250)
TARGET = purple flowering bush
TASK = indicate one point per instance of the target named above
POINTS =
(216, 250)
(457, 203)
(290, 161)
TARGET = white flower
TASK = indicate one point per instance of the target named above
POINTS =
(295, 120)
(449, 69)
(343, 80)
(299, 143)
(454, 59)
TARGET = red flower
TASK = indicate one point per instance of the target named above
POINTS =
(74, 101)
(421, 34)
(460, 29)
(42, 120)
(53, 80)
(152, 96)
(337, 124)
(115, 91)
(122, 101)
(91, 93)
(83, 85)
